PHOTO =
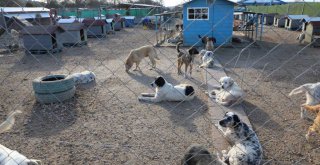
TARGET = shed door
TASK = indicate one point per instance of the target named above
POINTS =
(223, 23)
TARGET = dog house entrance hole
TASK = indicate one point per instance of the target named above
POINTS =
(55, 78)
(82, 34)
(54, 41)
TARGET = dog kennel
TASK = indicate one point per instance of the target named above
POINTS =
(75, 34)
(95, 28)
(279, 21)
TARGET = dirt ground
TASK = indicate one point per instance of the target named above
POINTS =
(104, 123)
(268, 72)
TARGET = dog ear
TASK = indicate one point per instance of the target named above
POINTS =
(236, 119)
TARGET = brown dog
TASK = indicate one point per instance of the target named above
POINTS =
(186, 59)
(315, 128)
(136, 55)
(208, 42)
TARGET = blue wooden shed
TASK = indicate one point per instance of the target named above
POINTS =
(212, 18)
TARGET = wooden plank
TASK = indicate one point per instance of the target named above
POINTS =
(216, 111)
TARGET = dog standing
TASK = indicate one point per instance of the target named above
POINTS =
(136, 55)
(246, 147)
(229, 93)
(167, 92)
(208, 42)
(207, 58)
(315, 127)
(312, 91)
(186, 59)
(11, 157)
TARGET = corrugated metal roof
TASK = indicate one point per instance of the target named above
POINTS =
(213, 1)
(27, 15)
(73, 26)
(305, 17)
(47, 29)
(23, 9)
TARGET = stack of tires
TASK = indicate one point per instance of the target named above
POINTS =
(53, 88)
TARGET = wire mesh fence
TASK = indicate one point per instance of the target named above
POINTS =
(103, 122)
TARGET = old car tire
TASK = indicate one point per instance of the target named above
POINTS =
(53, 84)
(55, 97)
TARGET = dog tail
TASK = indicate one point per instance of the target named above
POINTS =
(9, 122)
(302, 88)
(178, 47)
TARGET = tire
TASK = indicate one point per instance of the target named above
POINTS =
(55, 97)
(53, 84)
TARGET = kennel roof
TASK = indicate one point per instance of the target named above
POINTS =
(73, 26)
(42, 29)
(94, 22)
(305, 17)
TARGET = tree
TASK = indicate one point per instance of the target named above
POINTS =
(12, 3)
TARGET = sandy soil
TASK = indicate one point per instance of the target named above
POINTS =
(268, 72)
(104, 123)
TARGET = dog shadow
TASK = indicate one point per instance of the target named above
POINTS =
(258, 117)
(87, 86)
(50, 119)
(184, 114)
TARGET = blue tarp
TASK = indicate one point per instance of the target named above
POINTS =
(261, 2)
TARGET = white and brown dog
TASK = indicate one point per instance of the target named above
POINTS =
(229, 93)
(11, 157)
(312, 91)
(208, 42)
(167, 92)
(246, 147)
(136, 55)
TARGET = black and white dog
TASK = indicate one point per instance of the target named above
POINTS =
(167, 92)
(207, 58)
(246, 147)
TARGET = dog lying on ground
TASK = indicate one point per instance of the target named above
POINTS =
(83, 77)
(315, 128)
(198, 155)
(246, 148)
(167, 92)
(136, 55)
(186, 58)
(312, 91)
(11, 157)
(207, 59)
(208, 42)
(229, 93)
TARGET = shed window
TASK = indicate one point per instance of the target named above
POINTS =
(198, 13)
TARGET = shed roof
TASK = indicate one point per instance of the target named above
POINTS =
(42, 29)
(23, 9)
(73, 26)
(225, 0)
(93, 22)
(305, 17)
(27, 15)
(67, 21)
(310, 19)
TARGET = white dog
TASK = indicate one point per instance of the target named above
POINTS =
(11, 157)
(312, 91)
(207, 59)
(84, 77)
(246, 148)
(167, 92)
(229, 93)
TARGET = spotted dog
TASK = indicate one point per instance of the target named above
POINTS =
(167, 92)
(246, 148)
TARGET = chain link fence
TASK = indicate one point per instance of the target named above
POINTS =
(104, 123)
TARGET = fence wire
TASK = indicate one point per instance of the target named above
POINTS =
(104, 123)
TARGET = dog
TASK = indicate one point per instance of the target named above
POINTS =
(208, 42)
(167, 33)
(246, 147)
(198, 155)
(9, 122)
(207, 58)
(11, 157)
(312, 91)
(186, 59)
(229, 93)
(301, 37)
(136, 55)
(176, 39)
(83, 77)
(167, 92)
(315, 127)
